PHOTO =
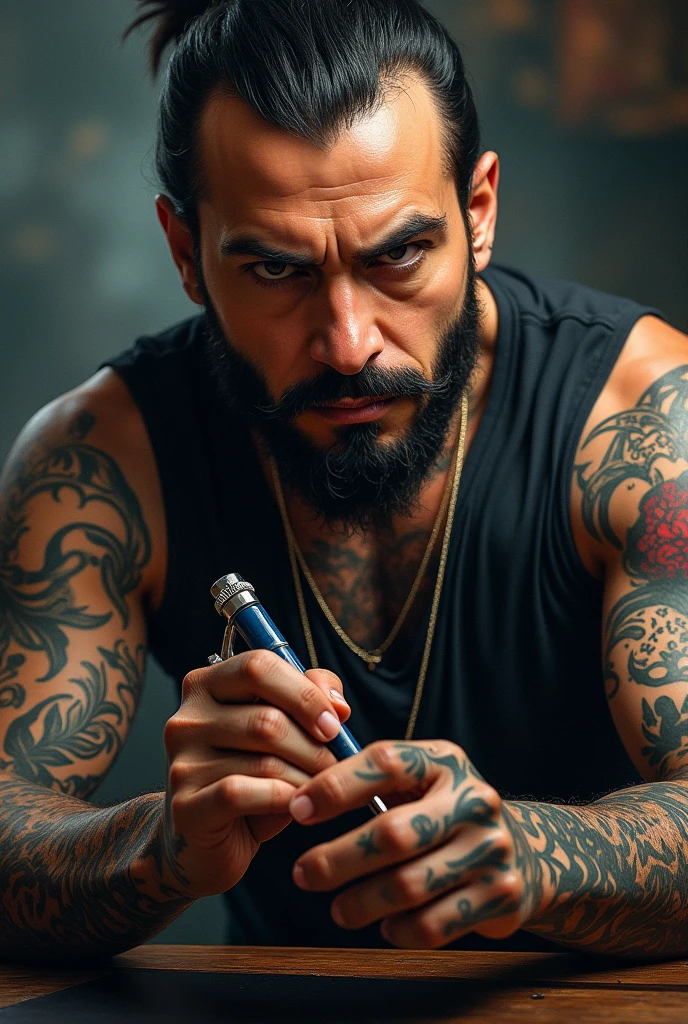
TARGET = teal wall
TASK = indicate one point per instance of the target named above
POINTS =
(84, 268)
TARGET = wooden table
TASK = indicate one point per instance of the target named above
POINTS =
(401, 985)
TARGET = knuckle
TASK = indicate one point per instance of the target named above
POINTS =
(409, 885)
(276, 795)
(384, 755)
(230, 790)
(193, 685)
(449, 747)
(179, 806)
(310, 697)
(177, 729)
(502, 844)
(269, 724)
(179, 774)
(270, 767)
(257, 665)
(491, 797)
(332, 788)
(508, 885)
(318, 866)
(394, 834)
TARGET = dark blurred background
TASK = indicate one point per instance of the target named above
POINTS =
(586, 101)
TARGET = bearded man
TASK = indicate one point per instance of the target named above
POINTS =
(462, 494)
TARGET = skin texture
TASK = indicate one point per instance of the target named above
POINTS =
(83, 555)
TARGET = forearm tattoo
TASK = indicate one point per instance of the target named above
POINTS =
(69, 872)
(79, 881)
(618, 869)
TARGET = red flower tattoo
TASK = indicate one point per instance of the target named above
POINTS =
(657, 546)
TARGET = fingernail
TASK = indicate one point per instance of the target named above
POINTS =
(385, 931)
(338, 698)
(329, 725)
(301, 808)
(299, 876)
(337, 915)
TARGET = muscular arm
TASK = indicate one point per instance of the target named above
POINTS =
(75, 564)
(614, 875)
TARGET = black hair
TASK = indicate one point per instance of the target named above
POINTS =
(307, 66)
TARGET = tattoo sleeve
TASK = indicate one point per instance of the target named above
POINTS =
(617, 870)
(78, 881)
(73, 548)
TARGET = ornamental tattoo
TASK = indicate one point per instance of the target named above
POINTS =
(39, 605)
(68, 876)
(646, 640)
(619, 867)
(88, 715)
(72, 729)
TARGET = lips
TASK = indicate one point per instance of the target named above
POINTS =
(354, 410)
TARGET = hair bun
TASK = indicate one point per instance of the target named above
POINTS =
(173, 17)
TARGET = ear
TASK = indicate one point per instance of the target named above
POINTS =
(180, 241)
(482, 208)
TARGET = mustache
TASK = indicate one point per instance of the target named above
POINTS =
(370, 382)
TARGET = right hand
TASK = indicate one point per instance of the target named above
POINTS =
(248, 733)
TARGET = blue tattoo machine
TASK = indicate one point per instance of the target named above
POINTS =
(236, 599)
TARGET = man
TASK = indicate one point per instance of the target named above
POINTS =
(325, 200)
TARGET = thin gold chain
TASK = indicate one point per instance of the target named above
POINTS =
(372, 657)
(411, 725)
(448, 503)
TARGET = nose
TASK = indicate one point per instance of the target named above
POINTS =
(345, 335)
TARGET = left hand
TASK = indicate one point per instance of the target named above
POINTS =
(451, 861)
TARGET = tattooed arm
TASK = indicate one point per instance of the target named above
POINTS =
(618, 869)
(76, 561)
(81, 536)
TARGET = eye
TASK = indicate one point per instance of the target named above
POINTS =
(402, 255)
(273, 270)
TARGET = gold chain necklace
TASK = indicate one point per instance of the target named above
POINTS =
(373, 658)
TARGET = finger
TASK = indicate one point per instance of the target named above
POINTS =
(331, 685)
(397, 836)
(266, 826)
(492, 911)
(262, 728)
(197, 773)
(263, 675)
(474, 856)
(218, 805)
(386, 767)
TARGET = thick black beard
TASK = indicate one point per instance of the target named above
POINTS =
(358, 484)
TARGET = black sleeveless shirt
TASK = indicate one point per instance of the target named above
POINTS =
(515, 671)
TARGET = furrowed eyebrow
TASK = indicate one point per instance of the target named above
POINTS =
(415, 225)
(245, 245)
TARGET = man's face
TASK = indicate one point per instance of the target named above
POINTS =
(334, 272)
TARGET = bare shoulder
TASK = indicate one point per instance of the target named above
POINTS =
(95, 437)
(635, 438)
